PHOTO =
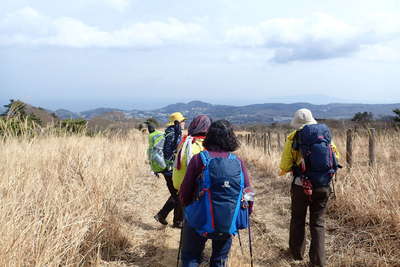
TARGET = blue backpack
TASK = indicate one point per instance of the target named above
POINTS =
(314, 144)
(219, 209)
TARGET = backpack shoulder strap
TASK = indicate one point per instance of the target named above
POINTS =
(296, 140)
(232, 156)
(205, 157)
(155, 137)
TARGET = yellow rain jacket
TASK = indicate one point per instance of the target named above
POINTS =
(292, 157)
(186, 150)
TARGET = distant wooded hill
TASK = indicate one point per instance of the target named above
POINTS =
(257, 113)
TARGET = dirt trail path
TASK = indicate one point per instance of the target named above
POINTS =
(158, 244)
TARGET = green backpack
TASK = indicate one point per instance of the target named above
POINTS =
(156, 155)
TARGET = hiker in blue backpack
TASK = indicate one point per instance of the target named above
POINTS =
(173, 135)
(311, 157)
(213, 194)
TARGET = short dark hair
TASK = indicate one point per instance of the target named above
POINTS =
(221, 137)
(150, 126)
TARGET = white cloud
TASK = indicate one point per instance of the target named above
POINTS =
(387, 52)
(281, 40)
(386, 24)
(319, 37)
(248, 56)
(119, 5)
(29, 27)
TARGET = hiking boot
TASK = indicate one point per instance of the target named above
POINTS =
(297, 256)
(159, 219)
(178, 225)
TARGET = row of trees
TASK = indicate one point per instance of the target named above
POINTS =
(364, 117)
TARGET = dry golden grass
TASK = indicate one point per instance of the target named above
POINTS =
(60, 198)
(76, 200)
(367, 208)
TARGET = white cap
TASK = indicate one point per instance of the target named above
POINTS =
(302, 117)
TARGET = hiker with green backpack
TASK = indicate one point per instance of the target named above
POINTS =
(170, 139)
(217, 198)
(155, 151)
(310, 155)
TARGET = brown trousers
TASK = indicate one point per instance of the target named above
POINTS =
(318, 205)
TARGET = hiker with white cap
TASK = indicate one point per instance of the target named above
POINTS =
(173, 136)
(302, 117)
(311, 157)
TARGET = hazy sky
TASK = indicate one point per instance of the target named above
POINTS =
(80, 54)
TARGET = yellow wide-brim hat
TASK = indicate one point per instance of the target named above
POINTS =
(176, 116)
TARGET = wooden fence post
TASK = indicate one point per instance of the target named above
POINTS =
(372, 139)
(278, 140)
(269, 143)
(349, 148)
(265, 143)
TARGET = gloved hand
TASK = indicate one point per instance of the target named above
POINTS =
(251, 208)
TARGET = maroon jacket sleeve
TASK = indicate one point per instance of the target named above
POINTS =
(188, 186)
(247, 181)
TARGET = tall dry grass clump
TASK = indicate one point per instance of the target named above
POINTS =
(368, 203)
(59, 197)
(265, 163)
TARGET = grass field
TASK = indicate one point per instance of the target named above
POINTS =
(76, 200)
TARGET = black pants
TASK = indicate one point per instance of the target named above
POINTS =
(318, 205)
(193, 246)
(172, 202)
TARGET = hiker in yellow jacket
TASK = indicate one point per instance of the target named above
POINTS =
(190, 145)
(304, 195)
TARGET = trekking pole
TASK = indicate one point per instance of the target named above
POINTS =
(180, 245)
(240, 243)
(250, 245)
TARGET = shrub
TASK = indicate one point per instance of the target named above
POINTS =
(74, 125)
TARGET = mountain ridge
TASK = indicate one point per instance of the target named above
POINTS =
(254, 113)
